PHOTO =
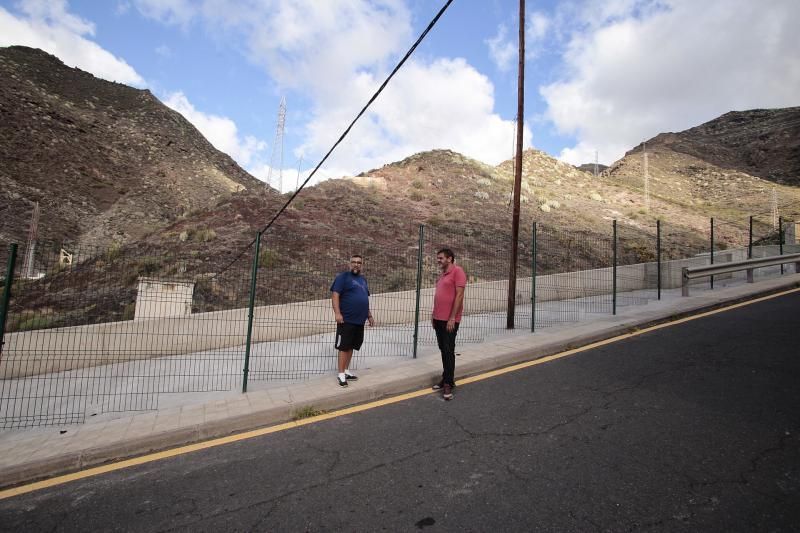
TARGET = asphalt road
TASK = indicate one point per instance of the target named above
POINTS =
(694, 427)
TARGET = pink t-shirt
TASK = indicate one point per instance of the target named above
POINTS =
(445, 296)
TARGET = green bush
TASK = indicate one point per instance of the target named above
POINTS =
(148, 265)
(113, 251)
(267, 258)
(32, 321)
(307, 412)
(205, 235)
(129, 311)
(416, 196)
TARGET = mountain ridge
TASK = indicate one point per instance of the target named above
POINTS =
(98, 154)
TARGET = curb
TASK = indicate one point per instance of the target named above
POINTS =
(70, 462)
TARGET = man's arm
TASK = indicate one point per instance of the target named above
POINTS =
(369, 313)
(336, 311)
(457, 305)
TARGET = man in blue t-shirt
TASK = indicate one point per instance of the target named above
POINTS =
(350, 301)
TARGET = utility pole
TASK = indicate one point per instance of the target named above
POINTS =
(774, 209)
(277, 147)
(512, 274)
(595, 163)
(33, 235)
(646, 181)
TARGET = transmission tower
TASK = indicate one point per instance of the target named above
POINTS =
(774, 209)
(277, 146)
(297, 181)
(33, 234)
(646, 180)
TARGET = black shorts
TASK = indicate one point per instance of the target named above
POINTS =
(349, 336)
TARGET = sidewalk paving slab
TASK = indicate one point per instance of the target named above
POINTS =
(38, 453)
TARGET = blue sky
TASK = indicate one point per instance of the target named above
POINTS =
(600, 75)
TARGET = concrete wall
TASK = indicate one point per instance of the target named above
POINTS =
(157, 298)
(40, 351)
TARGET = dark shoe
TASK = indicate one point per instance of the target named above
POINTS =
(350, 377)
(448, 392)
(342, 382)
(439, 386)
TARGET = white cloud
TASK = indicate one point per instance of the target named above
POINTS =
(177, 12)
(502, 51)
(538, 25)
(337, 53)
(304, 44)
(220, 132)
(164, 51)
(123, 7)
(49, 26)
(642, 68)
(442, 104)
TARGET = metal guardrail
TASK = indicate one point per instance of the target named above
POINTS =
(690, 273)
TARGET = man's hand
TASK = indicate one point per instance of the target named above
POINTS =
(371, 321)
(339, 318)
(451, 325)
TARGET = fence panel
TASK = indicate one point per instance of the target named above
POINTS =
(294, 326)
(486, 260)
(637, 267)
(92, 331)
(574, 275)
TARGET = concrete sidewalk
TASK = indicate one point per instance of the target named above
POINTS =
(28, 455)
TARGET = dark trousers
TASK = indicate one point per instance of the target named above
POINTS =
(447, 345)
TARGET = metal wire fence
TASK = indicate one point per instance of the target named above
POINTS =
(293, 324)
(574, 275)
(91, 331)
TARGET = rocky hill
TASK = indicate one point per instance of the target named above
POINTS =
(761, 142)
(715, 170)
(590, 167)
(112, 167)
(106, 162)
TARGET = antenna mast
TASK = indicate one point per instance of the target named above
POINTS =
(277, 147)
(297, 181)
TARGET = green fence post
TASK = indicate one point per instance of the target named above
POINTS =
(750, 241)
(780, 240)
(253, 276)
(420, 251)
(533, 278)
(712, 249)
(614, 273)
(12, 259)
(658, 257)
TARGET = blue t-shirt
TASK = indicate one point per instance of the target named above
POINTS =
(353, 297)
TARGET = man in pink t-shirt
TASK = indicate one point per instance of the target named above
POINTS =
(448, 302)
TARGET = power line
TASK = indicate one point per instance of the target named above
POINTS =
(347, 130)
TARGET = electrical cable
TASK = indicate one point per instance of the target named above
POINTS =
(346, 131)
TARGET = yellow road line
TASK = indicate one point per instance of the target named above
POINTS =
(24, 489)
